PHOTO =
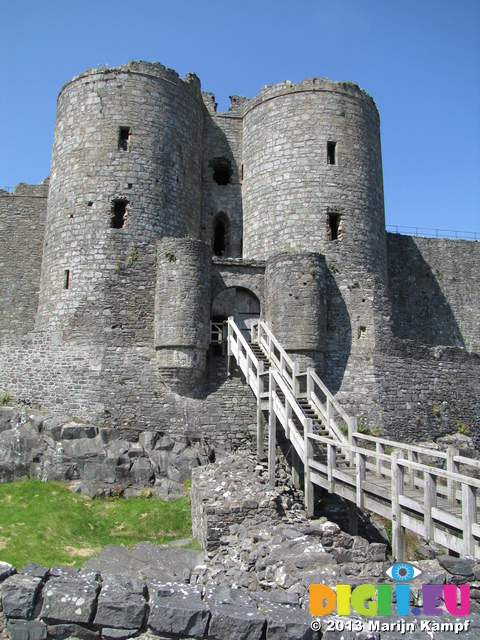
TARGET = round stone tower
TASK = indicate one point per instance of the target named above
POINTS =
(182, 311)
(313, 173)
(313, 185)
(126, 170)
(295, 305)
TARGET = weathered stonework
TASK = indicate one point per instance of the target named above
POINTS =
(163, 214)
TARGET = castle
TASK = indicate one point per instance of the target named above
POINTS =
(162, 215)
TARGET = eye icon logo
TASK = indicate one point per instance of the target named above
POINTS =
(403, 572)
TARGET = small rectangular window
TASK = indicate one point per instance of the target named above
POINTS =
(333, 222)
(66, 278)
(331, 152)
(119, 210)
(124, 138)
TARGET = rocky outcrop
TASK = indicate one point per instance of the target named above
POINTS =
(98, 461)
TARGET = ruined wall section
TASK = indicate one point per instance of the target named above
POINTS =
(130, 135)
(222, 143)
(22, 224)
(433, 288)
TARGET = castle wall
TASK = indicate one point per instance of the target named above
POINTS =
(222, 140)
(433, 288)
(426, 392)
(40, 370)
(126, 290)
(22, 222)
(154, 171)
(119, 387)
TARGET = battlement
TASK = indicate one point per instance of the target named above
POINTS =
(139, 67)
(28, 190)
(347, 89)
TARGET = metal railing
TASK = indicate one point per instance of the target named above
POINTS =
(424, 232)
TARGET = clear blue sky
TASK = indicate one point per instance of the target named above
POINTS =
(419, 59)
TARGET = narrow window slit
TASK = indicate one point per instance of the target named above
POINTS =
(333, 222)
(219, 240)
(331, 152)
(66, 278)
(119, 210)
(123, 138)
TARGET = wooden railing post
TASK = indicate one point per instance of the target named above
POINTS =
(412, 457)
(296, 381)
(288, 417)
(469, 517)
(310, 384)
(272, 424)
(308, 452)
(229, 349)
(429, 502)
(360, 477)
(452, 467)
(379, 450)
(260, 418)
(331, 465)
(295, 469)
(398, 532)
(352, 430)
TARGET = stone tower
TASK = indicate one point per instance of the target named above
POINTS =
(125, 172)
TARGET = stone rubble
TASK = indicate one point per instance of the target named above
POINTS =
(251, 583)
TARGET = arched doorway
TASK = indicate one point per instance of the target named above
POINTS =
(240, 303)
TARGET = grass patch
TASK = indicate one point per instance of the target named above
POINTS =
(45, 522)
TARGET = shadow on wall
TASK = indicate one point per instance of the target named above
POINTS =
(221, 188)
(339, 336)
(420, 311)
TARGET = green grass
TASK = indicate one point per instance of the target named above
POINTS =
(45, 522)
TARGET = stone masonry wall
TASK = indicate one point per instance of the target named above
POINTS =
(433, 288)
(119, 387)
(22, 223)
(426, 392)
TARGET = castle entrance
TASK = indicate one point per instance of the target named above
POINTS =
(238, 302)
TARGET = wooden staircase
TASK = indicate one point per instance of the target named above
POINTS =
(387, 477)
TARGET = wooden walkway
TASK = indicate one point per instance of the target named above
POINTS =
(432, 493)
